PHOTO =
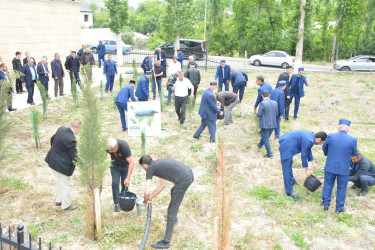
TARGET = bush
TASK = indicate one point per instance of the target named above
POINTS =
(36, 119)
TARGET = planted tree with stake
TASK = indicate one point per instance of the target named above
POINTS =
(121, 80)
(92, 163)
(45, 98)
(190, 107)
(135, 72)
(36, 119)
(5, 100)
(74, 91)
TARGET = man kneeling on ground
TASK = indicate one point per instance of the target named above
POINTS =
(122, 165)
(362, 173)
(176, 172)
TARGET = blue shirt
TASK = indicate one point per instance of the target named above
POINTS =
(73, 132)
(32, 72)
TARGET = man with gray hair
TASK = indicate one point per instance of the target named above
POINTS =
(61, 159)
(27, 58)
(57, 75)
(122, 165)
(192, 62)
(43, 72)
(158, 74)
(162, 57)
(29, 77)
(181, 94)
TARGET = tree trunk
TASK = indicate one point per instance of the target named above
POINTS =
(176, 23)
(90, 215)
(337, 50)
(324, 32)
(335, 36)
(301, 30)
(120, 59)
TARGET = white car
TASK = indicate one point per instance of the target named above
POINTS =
(357, 63)
(273, 58)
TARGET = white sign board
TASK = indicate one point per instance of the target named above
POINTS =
(144, 115)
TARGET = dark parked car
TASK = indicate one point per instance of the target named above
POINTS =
(189, 47)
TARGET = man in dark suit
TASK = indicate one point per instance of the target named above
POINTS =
(267, 113)
(16, 62)
(4, 76)
(239, 81)
(60, 159)
(27, 58)
(43, 73)
(72, 65)
(339, 148)
(362, 173)
(101, 53)
(278, 96)
(296, 90)
(162, 57)
(223, 74)
(262, 87)
(285, 77)
(57, 75)
(295, 142)
(147, 64)
(29, 77)
(209, 111)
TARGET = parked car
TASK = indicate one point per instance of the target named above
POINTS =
(358, 63)
(273, 58)
(189, 47)
(110, 47)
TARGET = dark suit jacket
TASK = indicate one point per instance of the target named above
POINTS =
(27, 77)
(25, 60)
(208, 108)
(284, 77)
(57, 69)
(43, 78)
(63, 151)
(267, 113)
(163, 56)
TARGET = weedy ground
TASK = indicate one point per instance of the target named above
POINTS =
(262, 216)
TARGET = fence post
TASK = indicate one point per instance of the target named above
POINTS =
(20, 236)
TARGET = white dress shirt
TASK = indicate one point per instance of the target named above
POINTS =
(173, 67)
(181, 87)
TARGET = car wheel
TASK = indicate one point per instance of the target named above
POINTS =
(345, 68)
(257, 63)
(284, 65)
(94, 50)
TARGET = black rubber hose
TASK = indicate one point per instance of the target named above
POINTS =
(145, 235)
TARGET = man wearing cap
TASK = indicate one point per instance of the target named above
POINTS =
(239, 81)
(262, 87)
(208, 111)
(229, 100)
(285, 77)
(122, 101)
(193, 74)
(143, 87)
(147, 64)
(223, 74)
(278, 96)
(181, 95)
(362, 173)
(162, 57)
(192, 62)
(101, 53)
(295, 142)
(43, 73)
(296, 90)
(267, 113)
(339, 148)
(180, 57)
(109, 71)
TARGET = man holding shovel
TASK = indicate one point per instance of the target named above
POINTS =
(176, 172)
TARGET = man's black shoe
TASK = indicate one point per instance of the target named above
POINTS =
(295, 196)
(212, 140)
(268, 156)
(362, 193)
(70, 208)
(117, 208)
(11, 109)
(196, 137)
(32, 103)
(62, 94)
(340, 211)
(325, 207)
(161, 245)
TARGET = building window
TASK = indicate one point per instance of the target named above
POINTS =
(86, 18)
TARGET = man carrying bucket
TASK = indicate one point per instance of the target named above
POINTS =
(176, 172)
(295, 142)
(122, 164)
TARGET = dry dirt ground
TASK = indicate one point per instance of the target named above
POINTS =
(262, 216)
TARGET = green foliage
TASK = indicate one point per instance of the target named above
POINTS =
(45, 97)
(93, 7)
(10, 183)
(5, 99)
(128, 37)
(263, 193)
(36, 120)
(91, 144)
(146, 19)
(135, 72)
(118, 15)
(100, 19)
(299, 240)
(190, 105)
(73, 90)
(121, 80)
(144, 142)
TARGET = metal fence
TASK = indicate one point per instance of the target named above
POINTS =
(139, 55)
(8, 242)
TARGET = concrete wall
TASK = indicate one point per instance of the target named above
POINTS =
(90, 21)
(41, 27)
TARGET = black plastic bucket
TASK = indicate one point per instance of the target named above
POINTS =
(126, 200)
(312, 183)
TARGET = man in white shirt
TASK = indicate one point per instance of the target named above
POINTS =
(174, 66)
(181, 93)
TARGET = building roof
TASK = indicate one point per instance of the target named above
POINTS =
(85, 9)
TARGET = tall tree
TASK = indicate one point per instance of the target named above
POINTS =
(118, 17)
(301, 31)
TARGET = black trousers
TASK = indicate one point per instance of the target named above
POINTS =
(195, 90)
(30, 92)
(180, 107)
(75, 75)
(19, 85)
(287, 105)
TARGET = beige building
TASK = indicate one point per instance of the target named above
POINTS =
(41, 27)
(86, 17)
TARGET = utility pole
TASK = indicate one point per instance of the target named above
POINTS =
(205, 19)
(209, 32)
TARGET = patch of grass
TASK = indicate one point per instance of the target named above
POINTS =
(299, 240)
(263, 193)
(211, 157)
(277, 247)
(62, 239)
(206, 179)
(196, 148)
(11, 183)
(349, 219)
